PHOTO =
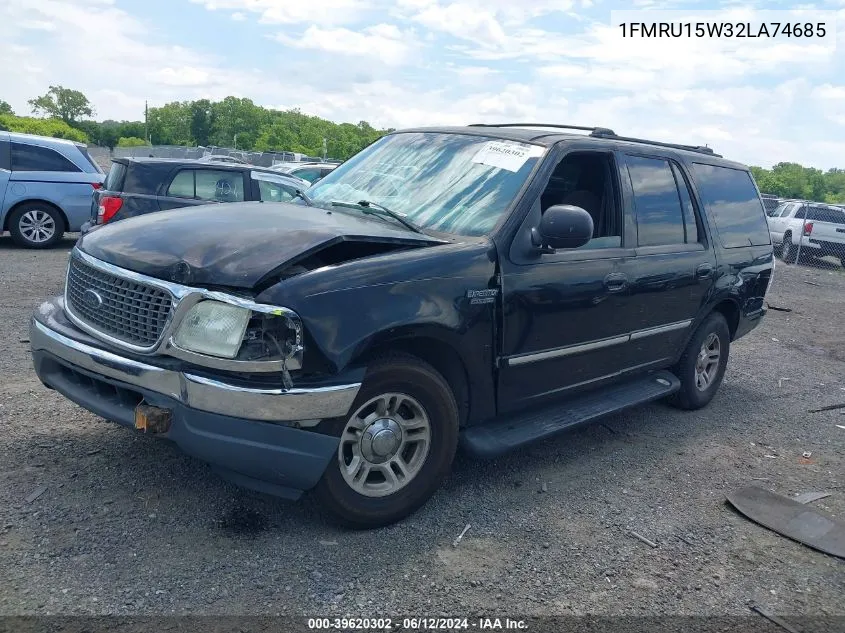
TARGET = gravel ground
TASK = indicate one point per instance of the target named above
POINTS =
(128, 525)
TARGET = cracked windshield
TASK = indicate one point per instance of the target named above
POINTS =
(452, 183)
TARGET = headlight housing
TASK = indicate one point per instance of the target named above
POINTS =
(269, 337)
(213, 328)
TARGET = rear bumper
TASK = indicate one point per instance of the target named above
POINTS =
(830, 248)
(238, 430)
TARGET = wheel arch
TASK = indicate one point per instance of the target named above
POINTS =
(21, 203)
(433, 346)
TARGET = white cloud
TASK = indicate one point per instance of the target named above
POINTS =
(237, 16)
(293, 11)
(427, 62)
(382, 41)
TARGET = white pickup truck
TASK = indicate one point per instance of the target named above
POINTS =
(822, 225)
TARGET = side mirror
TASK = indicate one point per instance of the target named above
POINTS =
(563, 226)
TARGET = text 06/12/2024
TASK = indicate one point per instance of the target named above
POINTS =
(738, 30)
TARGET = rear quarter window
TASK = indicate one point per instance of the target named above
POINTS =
(114, 180)
(146, 178)
(733, 204)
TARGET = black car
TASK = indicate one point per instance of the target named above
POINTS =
(483, 286)
(136, 186)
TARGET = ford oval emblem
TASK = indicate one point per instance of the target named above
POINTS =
(180, 272)
(92, 299)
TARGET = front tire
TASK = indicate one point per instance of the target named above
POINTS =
(396, 446)
(702, 365)
(36, 225)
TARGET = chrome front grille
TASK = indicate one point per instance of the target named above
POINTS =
(129, 311)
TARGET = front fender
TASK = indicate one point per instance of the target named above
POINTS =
(426, 294)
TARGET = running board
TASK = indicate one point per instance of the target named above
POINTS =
(501, 435)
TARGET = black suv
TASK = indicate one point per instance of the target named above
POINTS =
(135, 186)
(483, 285)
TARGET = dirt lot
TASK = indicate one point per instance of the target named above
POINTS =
(128, 525)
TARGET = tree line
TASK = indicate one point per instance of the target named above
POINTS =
(241, 124)
(791, 180)
(232, 122)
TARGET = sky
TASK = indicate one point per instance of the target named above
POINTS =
(402, 63)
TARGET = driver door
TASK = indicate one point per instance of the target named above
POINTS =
(566, 315)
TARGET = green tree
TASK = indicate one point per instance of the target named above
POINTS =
(62, 103)
(171, 124)
(791, 180)
(131, 141)
(241, 118)
(5, 108)
(42, 127)
(202, 121)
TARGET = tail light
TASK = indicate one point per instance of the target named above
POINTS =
(97, 185)
(109, 205)
(808, 228)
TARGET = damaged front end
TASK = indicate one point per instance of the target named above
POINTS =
(214, 372)
(152, 317)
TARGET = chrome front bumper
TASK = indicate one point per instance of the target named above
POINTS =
(195, 392)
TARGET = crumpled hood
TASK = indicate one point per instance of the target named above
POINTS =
(234, 244)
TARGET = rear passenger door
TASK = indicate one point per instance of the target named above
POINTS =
(675, 265)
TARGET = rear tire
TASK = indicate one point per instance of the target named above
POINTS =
(36, 225)
(396, 445)
(702, 365)
(788, 250)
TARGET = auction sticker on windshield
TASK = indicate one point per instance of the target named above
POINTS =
(507, 155)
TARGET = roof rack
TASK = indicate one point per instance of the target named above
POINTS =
(603, 132)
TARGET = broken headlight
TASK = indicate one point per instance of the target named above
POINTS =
(271, 337)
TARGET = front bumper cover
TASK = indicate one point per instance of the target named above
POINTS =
(236, 429)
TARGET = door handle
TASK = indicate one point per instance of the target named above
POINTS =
(615, 282)
(704, 271)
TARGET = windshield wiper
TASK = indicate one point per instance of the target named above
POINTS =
(374, 208)
(304, 196)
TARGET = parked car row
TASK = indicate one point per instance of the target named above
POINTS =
(136, 186)
(818, 228)
(312, 172)
(50, 186)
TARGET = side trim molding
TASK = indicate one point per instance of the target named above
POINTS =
(533, 357)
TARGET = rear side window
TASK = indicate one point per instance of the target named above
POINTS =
(183, 185)
(665, 214)
(310, 174)
(730, 197)
(5, 160)
(274, 192)
(145, 178)
(114, 180)
(222, 186)
(88, 159)
(34, 158)
(208, 184)
(825, 214)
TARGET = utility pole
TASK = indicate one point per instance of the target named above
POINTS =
(325, 150)
(147, 124)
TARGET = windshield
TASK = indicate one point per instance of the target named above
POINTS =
(453, 183)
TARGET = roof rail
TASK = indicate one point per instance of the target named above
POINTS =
(603, 132)
(701, 149)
